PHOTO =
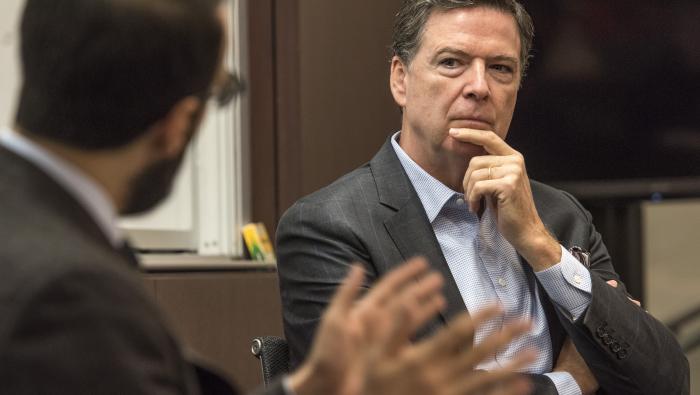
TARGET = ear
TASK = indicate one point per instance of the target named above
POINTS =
(397, 81)
(173, 131)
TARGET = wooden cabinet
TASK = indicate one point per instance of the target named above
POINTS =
(216, 314)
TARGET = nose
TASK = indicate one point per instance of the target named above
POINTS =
(476, 86)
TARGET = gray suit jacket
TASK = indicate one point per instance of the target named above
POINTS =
(374, 216)
(74, 317)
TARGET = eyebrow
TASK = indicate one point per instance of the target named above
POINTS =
(504, 58)
(497, 58)
(452, 51)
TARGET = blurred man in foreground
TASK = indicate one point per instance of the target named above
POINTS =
(113, 92)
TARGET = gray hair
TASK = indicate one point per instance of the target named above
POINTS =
(413, 15)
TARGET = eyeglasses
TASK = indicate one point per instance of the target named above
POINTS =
(229, 87)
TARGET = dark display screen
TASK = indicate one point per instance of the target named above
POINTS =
(613, 92)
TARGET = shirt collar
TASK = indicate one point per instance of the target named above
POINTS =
(91, 195)
(432, 193)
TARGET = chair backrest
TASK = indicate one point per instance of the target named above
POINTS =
(683, 324)
(211, 379)
(273, 353)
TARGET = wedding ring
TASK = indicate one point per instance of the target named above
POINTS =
(489, 172)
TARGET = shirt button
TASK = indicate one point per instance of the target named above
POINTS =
(502, 282)
(578, 279)
(460, 201)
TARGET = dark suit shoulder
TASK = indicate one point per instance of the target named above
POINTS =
(45, 255)
(550, 197)
(76, 318)
(39, 247)
(562, 213)
(82, 329)
(346, 187)
(345, 201)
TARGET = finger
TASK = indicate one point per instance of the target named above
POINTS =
(391, 341)
(415, 292)
(520, 362)
(400, 297)
(492, 172)
(614, 284)
(392, 283)
(493, 161)
(347, 293)
(483, 163)
(501, 377)
(458, 334)
(472, 178)
(519, 385)
(489, 189)
(405, 324)
(423, 300)
(514, 385)
(501, 382)
(489, 346)
(492, 142)
(423, 290)
(416, 305)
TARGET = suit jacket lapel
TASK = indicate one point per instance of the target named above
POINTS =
(409, 227)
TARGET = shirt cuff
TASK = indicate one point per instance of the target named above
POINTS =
(565, 383)
(287, 386)
(568, 284)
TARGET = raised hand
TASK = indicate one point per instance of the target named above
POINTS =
(444, 364)
(364, 347)
(500, 178)
(350, 330)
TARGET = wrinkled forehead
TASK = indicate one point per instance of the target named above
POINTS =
(461, 26)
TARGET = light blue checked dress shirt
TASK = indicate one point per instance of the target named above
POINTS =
(487, 269)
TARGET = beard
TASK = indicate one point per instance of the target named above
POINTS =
(152, 185)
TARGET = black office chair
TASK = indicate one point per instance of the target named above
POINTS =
(211, 379)
(689, 341)
(273, 353)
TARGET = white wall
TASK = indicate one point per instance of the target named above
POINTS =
(672, 265)
(9, 68)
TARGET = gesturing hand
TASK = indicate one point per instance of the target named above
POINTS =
(501, 179)
(444, 364)
(363, 347)
(351, 330)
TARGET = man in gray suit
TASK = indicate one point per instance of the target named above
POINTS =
(448, 187)
(113, 91)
